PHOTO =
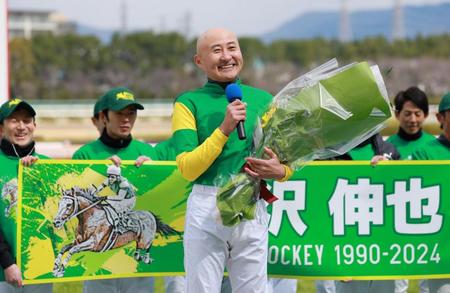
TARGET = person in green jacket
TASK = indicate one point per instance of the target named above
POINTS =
(438, 149)
(118, 113)
(411, 110)
(17, 126)
(209, 152)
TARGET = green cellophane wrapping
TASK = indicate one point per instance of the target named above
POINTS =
(327, 118)
(316, 118)
(237, 199)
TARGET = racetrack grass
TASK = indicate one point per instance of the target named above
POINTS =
(304, 286)
(307, 286)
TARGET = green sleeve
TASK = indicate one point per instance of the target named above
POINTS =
(78, 155)
(185, 140)
(84, 153)
(165, 150)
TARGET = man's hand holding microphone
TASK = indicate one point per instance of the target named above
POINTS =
(236, 112)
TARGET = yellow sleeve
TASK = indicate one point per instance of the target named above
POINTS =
(193, 159)
(195, 163)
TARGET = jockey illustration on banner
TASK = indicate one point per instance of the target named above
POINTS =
(118, 206)
(95, 222)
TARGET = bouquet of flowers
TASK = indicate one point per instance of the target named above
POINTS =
(323, 113)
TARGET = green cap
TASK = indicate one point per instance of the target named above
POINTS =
(444, 105)
(118, 99)
(10, 106)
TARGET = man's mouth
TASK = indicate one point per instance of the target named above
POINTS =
(226, 66)
(20, 135)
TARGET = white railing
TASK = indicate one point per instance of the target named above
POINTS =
(85, 110)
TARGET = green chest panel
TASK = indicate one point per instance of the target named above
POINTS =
(208, 106)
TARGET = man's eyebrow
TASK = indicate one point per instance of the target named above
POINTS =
(227, 44)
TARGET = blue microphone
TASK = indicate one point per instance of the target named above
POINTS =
(233, 92)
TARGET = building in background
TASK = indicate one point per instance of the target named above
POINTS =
(27, 23)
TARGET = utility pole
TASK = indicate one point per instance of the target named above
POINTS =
(345, 29)
(123, 17)
(398, 31)
(186, 24)
(162, 24)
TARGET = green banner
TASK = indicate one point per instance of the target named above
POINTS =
(351, 220)
(333, 220)
(67, 225)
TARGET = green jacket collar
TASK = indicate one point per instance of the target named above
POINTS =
(217, 86)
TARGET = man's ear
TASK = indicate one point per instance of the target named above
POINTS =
(103, 118)
(197, 60)
(440, 118)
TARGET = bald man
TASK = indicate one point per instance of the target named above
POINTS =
(209, 152)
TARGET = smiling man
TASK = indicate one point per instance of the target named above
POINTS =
(411, 110)
(209, 152)
(17, 125)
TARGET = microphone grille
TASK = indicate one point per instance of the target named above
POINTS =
(233, 92)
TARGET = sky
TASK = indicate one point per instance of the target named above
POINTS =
(245, 17)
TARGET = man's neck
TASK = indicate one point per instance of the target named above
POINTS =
(14, 150)
(116, 143)
(223, 84)
(408, 136)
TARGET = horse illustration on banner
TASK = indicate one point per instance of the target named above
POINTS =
(102, 227)
(9, 194)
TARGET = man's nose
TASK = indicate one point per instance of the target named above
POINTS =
(225, 55)
(21, 125)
